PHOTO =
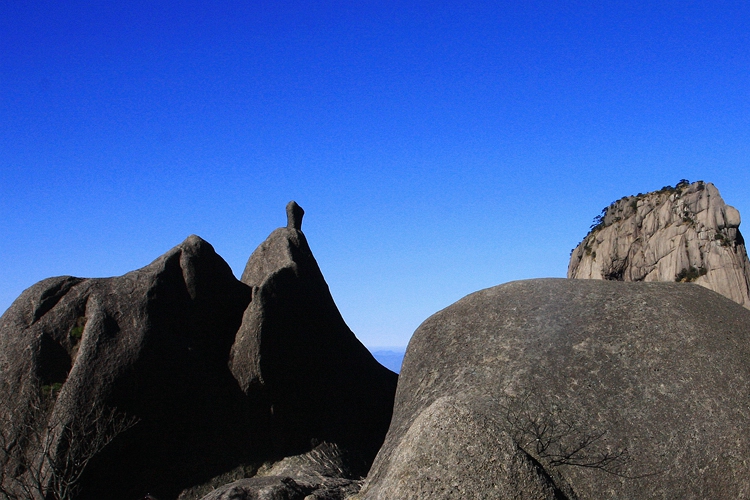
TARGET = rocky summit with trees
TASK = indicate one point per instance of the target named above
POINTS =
(682, 233)
(178, 381)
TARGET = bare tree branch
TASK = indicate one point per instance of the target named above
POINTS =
(43, 454)
(543, 430)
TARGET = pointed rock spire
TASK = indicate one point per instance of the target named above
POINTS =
(294, 214)
(295, 349)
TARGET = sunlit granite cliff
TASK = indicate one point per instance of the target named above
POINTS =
(681, 233)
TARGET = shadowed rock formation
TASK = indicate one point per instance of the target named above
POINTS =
(582, 389)
(317, 475)
(294, 214)
(294, 348)
(220, 378)
(153, 344)
(685, 233)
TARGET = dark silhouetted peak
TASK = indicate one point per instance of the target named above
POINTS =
(295, 348)
(294, 214)
(151, 345)
(217, 376)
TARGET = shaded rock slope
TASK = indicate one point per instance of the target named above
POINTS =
(292, 332)
(196, 363)
(685, 233)
(565, 389)
(153, 344)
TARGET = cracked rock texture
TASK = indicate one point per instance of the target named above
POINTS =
(685, 233)
(455, 450)
(319, 474)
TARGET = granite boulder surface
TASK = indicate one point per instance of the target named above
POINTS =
(556, 388)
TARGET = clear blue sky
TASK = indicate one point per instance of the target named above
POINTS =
(437, 148)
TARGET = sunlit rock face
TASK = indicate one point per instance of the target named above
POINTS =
(685, 233)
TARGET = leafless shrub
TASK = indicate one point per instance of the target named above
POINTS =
(543, 430)
(43, 454)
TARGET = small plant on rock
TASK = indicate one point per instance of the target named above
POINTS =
(77, 331)
(723, 239)
(686, 275)
(51, 389)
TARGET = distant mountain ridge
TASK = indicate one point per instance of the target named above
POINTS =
(681, 233)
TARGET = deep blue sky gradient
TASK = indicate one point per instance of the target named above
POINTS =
(437, 149)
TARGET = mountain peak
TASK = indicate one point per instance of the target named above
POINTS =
(681, 233)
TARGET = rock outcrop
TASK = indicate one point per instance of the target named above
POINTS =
(685, 233)
(152, 344)
(295, 349)
(319, 474)
(583, 389)
(187, 377)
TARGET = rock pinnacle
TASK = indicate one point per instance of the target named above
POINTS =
(294, 214)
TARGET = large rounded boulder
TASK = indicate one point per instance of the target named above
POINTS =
(557, 388)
